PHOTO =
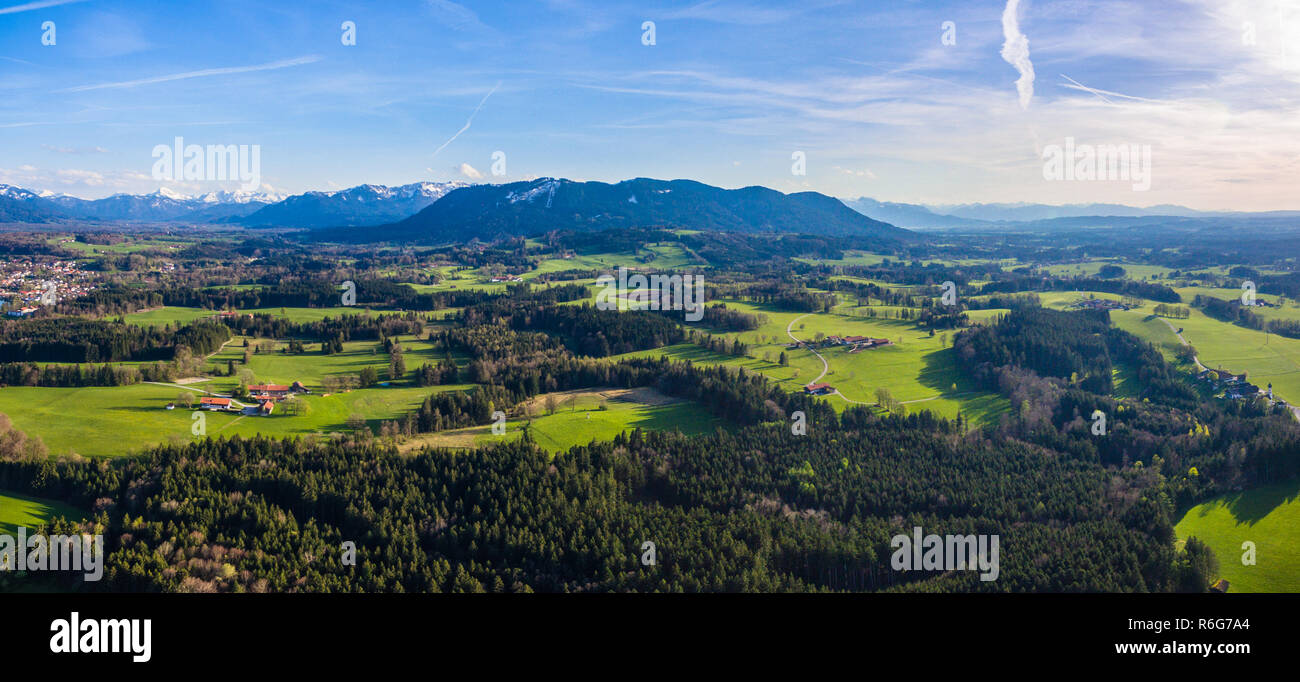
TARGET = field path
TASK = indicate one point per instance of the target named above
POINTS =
(825, 365)
(190, 388)
(1184, 342)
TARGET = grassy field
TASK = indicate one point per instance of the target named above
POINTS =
(918, 369)
(653, 256)
(1268, 517)
(1090, 269)
(1265, 358)
(173, 315)
(119, 420)
(129, 245)
(18, 510)
(580, 420)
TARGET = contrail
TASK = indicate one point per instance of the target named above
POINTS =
(1015, 51)
(469, 120)
(1101, 94)
(40, 4)
(297, 61)
(1081, 86)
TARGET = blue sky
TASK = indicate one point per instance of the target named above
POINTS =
(731, 88)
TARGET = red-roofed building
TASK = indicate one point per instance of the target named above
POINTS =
(818, 389)
(264, 391)
(210, 403)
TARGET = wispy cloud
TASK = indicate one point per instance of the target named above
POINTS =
(1015, 50)
(467, 121)
(39, 4)
(75, 150)
(469, 171)
(286, 63)
(456, 16)
(732, 13)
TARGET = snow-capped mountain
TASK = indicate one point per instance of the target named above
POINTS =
(18, 205)
(241, 197)
(363, 205)
(163, 204)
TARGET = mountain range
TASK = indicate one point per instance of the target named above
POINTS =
(538, 206)
(364, 205)
(957, 216)
(451, 211)
(360, 206)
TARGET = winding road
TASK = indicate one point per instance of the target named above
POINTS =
(827, 368)
(1295, 410)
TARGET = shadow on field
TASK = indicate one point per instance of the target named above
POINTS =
(1251, 506)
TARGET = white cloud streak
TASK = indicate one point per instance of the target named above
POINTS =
(1015, 51)
(467, 121)
(271, 66)
(40, 4)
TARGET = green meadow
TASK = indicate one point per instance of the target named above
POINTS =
(17, 510)
(1265, 358)
(582, 417)
(919, 370)
(1267, 516)
(119, 420)
(174, 315)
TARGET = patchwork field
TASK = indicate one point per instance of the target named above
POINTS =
(918, 369)
(119, 420)
(579, 419)
(1268, 517)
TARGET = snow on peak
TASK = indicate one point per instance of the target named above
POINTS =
(546, 186)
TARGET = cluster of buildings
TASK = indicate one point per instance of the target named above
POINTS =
(265, 395)
(853, 343)
(26, 285)
(1235, 386)
(1101, 304)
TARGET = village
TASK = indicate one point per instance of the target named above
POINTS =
(1236, 387)
(26, 285)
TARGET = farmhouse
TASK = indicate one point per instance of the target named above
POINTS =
(268, 391)
(818, 389)
(1243, 391)
(210, 403)
(266, 408)
(297, 387)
